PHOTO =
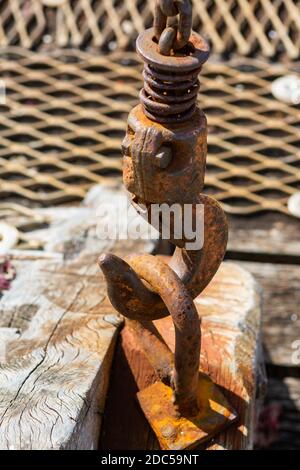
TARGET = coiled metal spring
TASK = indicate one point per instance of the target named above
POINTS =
(167, 96)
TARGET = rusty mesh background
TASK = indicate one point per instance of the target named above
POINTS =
(65, 116)
(266, 27)
(66, 109)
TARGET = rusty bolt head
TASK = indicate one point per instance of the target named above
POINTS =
(163, 158)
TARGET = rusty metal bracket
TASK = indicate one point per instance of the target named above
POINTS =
(164, 162)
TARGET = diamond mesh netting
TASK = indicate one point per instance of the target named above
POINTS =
(65, 111)
(65, 117)
(266, 27)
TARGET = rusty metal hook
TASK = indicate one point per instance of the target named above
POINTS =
(133, 299)
(164, 154)
(172, 289)
(179, 304)
(142, 287)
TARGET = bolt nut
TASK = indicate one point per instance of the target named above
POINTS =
(163, 158)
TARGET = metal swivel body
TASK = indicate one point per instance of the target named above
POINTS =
(164, 162)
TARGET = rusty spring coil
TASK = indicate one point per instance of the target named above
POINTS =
(168, 97)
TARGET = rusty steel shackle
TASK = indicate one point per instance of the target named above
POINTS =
(164, 155)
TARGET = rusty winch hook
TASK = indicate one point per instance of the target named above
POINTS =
(164, 162)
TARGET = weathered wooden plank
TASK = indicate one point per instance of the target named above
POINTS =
(230, 353)
(281, 318)
(280, 421)
(58, 336)
(264, 235)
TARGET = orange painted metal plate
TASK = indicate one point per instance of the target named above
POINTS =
(178, 433)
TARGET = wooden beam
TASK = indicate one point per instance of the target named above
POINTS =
(281, 319)
(58, 334)
(265, 237)
(280, 424)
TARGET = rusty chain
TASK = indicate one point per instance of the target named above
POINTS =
(172, 24)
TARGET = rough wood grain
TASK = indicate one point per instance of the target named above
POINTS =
(281, 319)
(283, 401)
(265, 236)
(230, 353)
(58, 335)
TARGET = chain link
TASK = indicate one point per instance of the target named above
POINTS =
(172, 24)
